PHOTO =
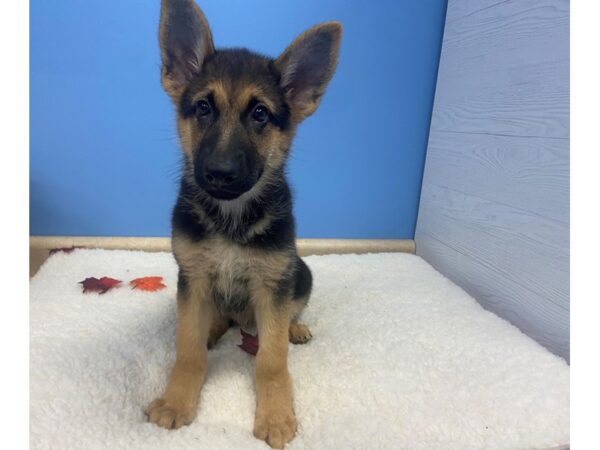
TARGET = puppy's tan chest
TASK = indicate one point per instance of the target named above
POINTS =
(227, 263)
(229, 272)
(225, 267)
(228, 266)
(209, 257)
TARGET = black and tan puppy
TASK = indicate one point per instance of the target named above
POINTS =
(233, 229)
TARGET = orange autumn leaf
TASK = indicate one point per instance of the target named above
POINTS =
(148, 284)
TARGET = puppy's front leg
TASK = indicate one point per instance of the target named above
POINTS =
(179, 403)
(275, 421)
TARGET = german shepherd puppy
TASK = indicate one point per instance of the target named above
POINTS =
(233, 230)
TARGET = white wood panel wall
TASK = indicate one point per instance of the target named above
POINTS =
(494, 211)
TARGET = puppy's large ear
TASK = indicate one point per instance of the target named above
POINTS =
(307, 65)
(185, 42)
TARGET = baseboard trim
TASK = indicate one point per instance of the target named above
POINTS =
(39, 246)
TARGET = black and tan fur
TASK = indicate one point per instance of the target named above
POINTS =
(233, 229)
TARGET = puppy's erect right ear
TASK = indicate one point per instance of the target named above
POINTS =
(185, 42)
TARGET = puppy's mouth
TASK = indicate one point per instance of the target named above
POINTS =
(224, 194)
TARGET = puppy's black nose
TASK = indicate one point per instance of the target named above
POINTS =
(221, 173)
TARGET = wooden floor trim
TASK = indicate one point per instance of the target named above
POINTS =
(39, 246)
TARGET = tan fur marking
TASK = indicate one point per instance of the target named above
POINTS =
(188, 136)
(246, 93)
(219, 327)
(219, 90)
(260, 226)
(275, 146)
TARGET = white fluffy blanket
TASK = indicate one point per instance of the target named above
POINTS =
(401, 358)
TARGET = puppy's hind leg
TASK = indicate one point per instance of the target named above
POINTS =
(298, 332)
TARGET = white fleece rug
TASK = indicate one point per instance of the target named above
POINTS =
(401, 358)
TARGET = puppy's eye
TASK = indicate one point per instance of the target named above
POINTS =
(260, 114)
(203, 108)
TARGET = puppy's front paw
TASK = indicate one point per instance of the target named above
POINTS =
(168, 415)
(275, 427)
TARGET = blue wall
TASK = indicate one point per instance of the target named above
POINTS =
(104, 153)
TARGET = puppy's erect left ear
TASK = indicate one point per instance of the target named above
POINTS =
(185, 42)
(307, 65)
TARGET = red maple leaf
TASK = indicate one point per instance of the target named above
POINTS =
(148, 284)
(101, 285)
(249, 342)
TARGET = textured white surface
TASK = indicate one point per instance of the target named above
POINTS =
(401, 358)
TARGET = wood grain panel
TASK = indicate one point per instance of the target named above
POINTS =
(457, 9)
(528, 173)
(515, 244)
(505, 70)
